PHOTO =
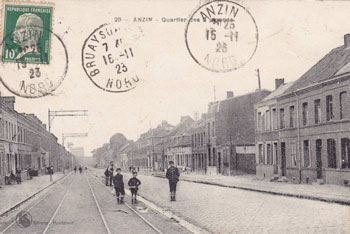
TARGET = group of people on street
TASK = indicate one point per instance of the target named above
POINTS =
(172, 174)
(80, 169)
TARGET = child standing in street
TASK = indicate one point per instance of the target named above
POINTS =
(119, 186)
(134, 184)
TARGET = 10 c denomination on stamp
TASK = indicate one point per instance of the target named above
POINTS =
(108, 57)
(225, 38)
(34, 60)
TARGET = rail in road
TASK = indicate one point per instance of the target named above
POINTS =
(83, 204)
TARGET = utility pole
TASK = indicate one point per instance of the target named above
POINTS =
(68, 135)
(214, 93)
(51, 115)
(258, 74)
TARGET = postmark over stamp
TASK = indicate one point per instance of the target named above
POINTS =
(34, 60)
(224, 39)
(109, 57)
(26, 40)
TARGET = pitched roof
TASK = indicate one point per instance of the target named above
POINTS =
(330, 65)
(280, 90)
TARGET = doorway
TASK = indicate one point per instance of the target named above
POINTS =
(319, 158)
(283, 159)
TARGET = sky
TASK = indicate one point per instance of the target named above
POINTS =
(293, 36)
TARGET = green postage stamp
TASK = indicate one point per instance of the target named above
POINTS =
(26, 33)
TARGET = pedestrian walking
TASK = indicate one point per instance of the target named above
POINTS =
(119, 186)
(172, 174)
(134, 184)
(75, 169)
(80, 169)
(111, 174)
(107, 175)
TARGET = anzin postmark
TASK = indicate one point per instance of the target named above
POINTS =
(108, 58)
(34, 60)
(224, 39)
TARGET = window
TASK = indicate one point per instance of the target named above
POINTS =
(267, 122)
(345, 153)
(281, 118)
(329, 107)
(305, 113)
(317, 104)
(291, 116)
(331, 152)
(268, 154)
(274, 119)
(213, 128)
(261, 153)
(208, 129)
(259, 122)
(306, 153)
(344, 106)
(293, 154)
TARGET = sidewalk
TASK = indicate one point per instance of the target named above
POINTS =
(13, 195)
(327, 192)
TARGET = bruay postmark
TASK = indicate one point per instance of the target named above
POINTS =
(34, 60)
(224, 39)
(109, 58)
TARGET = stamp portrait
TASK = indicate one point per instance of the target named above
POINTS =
(34, 59)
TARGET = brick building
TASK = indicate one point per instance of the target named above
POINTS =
(26, 144)
(267, 134)
(199, 145)
(230, 129)
(314, 122)
(178, 144)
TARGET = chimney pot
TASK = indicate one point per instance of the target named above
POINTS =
(9, 102)
(347, 40)
(229, 94)
(279, 82)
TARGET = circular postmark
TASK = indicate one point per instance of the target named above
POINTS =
(221, 36)
(24, 219)
(109, 57)
(34, 60)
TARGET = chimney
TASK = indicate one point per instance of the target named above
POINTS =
(347, 40)
(9, 102)
(229, 94)
(279, 82)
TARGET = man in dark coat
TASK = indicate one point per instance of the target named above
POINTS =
(119, 186)
(172, 174)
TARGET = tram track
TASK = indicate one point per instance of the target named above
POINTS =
(27, 209)
(146, 221)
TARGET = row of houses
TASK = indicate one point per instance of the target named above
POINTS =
(303, 127)
(298, 132)
(26, 145)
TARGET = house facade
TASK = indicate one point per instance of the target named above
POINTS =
(314, 123)
(230, 129)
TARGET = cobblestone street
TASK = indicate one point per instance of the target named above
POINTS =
(227, 210)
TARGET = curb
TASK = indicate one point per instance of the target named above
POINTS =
(31, 196)
(301, 196)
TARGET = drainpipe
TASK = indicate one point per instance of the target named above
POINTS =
(298, 127)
